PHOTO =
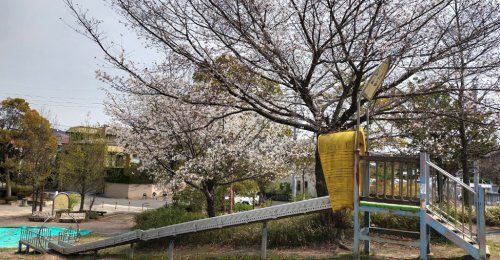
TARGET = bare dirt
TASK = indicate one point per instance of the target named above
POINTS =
(108, 225)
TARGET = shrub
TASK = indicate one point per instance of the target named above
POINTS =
(21, 191)
(242, 207)
(296, 231)
(492, 216)
(11, 198)
(74, 199)
(164, 216)
(395, 222)
(190, 199)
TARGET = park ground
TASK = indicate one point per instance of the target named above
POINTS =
(117, 222)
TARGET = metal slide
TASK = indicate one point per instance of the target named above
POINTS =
(230, 220)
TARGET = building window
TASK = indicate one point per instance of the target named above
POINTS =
(298, 185)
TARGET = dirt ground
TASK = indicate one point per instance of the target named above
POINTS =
(109, 225)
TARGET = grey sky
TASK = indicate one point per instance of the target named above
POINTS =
(50, 65)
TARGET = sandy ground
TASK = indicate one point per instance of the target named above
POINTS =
(117, 222)
(109, 225)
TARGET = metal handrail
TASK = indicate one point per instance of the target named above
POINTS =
(446, 202)
(63, 235)
(447, 174)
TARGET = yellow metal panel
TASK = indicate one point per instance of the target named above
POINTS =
(336, 152)
(376, 79)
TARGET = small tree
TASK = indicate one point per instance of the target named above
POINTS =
(12, 111)
(83, 160)
(38, 149)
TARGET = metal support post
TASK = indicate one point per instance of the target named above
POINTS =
(355, 245)
(131, 250)
(427, 174)
(423, 202)
(263, 243)
(19, 248)
(481, 229)
(428, 239)
(170, 250)
(365, 192)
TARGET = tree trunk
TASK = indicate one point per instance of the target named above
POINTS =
(209, 192)
(35, 199)
(91, 203)
(40, 208)
(8, 185)
(321, 189)
(464, 159)
(82, 198)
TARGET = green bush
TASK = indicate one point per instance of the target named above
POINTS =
(130, 174)
(385, 220)
(21, 190)
(191, 199)
(492, 216)
(164, 216)
(242, 207)
(74, 199)
(296, 231)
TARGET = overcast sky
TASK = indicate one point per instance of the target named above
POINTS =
(44, 61)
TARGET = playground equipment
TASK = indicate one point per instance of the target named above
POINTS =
(406, 186)
(39, 238)
(410, 186)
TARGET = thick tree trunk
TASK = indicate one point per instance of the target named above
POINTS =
(209, 192)
(321, 189)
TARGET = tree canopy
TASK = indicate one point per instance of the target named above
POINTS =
(315, 54)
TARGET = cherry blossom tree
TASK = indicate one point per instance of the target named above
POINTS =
(317, 54)
(181, 143)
